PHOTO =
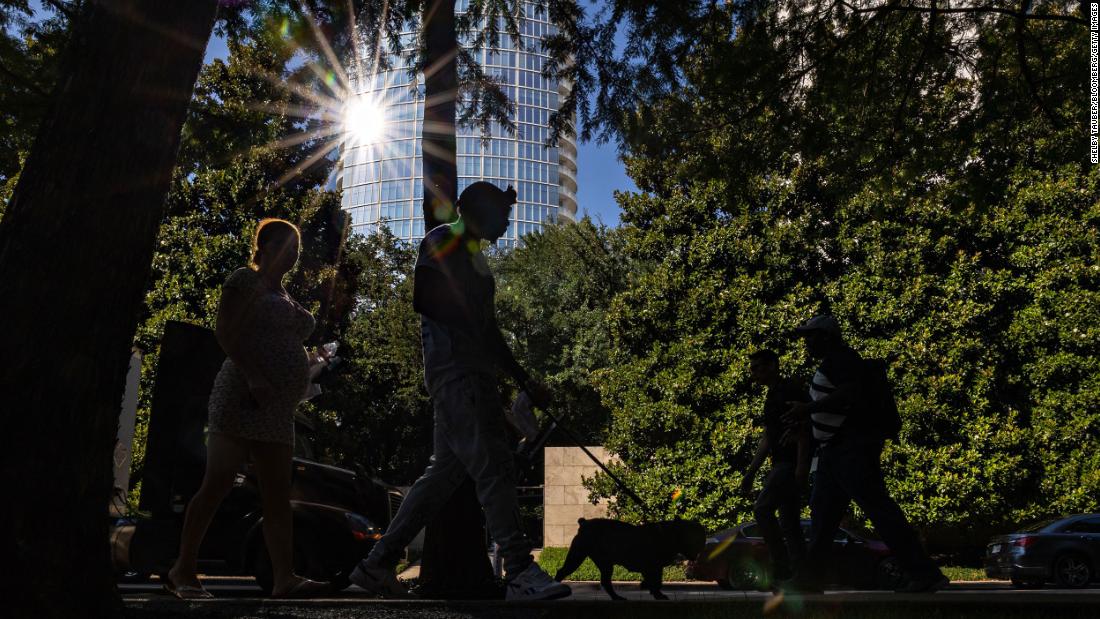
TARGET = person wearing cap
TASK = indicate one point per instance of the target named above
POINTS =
(453, 291)
(849, 463)
(788, 446)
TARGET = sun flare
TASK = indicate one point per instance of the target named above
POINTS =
(364, 120)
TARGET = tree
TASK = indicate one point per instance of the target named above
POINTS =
(375, 414)
(123, 132)
(30, 51)
(933, 196)
(75, 246)
(553, 296)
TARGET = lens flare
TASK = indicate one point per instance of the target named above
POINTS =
(676, 494)
(719, 548)
(364, 121)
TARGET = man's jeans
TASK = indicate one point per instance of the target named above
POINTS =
(851, 470)
(469, 439)
(781, 493)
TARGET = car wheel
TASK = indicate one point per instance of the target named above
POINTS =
(888, 574)
(1027, 583)
(749, 575)
(1072, 571)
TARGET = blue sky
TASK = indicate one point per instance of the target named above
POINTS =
(600, 174)
(599, 171)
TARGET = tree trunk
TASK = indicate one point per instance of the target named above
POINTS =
(76, 245)
(440, 94)
(455, 562)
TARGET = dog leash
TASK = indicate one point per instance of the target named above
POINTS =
(555, 423)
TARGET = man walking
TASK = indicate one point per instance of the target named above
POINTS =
(789, 448)
(848, 462)
(453, 292)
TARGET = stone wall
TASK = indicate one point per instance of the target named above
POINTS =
(564, 498)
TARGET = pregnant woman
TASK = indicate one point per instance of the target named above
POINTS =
(262, 330)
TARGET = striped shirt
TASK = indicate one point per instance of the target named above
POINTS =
(839, 368)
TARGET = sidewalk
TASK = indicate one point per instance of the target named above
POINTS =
(688, 600)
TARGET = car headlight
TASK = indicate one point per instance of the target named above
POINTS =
(361, 528)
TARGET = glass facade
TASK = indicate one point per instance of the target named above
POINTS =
(381, 180)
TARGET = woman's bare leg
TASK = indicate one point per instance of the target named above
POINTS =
(273, 462)
(224, 457)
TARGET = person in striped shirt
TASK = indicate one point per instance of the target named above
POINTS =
(849, 462)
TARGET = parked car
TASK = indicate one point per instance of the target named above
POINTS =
(338, 514)
(1065, 551)
(738, 558)
(331, 531)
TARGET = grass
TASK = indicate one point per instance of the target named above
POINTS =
(955, 572)
(552, 558)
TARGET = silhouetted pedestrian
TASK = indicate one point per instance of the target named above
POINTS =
(789, 446)
(849, 466)
(453, 291)
(264, 377)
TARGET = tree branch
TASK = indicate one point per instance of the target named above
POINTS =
(973, 9)
(791, 81)
(26, 83)
(1025, 68)
(914, 72)
(60, 7)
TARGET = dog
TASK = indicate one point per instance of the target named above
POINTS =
(640, 548)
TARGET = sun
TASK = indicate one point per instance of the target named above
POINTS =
(364, 120)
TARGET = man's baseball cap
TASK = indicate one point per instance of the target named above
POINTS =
(824, 323)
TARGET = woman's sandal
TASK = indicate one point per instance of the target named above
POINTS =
(305, 588)
(186, 592)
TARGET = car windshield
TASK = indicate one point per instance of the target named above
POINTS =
(1039, 526)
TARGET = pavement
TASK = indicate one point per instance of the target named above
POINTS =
(240, 597)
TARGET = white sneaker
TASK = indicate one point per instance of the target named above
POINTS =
(535, 584)
(379, 581)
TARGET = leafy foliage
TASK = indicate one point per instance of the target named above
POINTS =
(606, 80)
(934, 197)
(552, 298)
(31, 44)
(918, 173)
(376, 414)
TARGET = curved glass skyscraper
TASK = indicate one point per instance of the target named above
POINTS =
(381, 179)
